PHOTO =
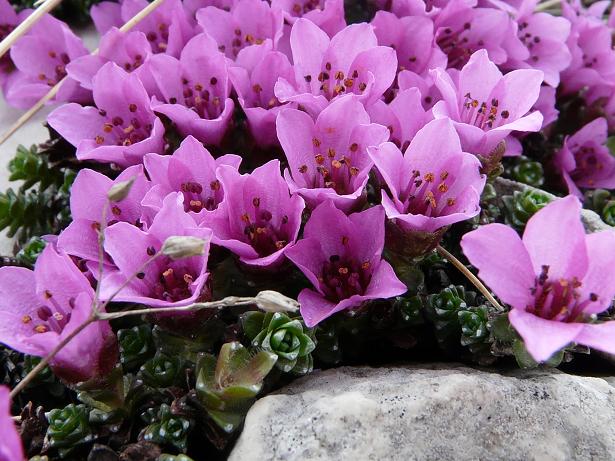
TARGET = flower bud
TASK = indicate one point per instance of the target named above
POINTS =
(272, 301)
(120, 191)
(178, 247)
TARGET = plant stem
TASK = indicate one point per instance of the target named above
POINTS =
(43, 363)
(469, 275)
(547, 4)
(225, 302)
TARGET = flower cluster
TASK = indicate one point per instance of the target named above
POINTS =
(362, 145)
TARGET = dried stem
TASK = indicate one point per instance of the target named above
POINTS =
(220, 304)
(469, 275)
(547, 4)
(53, 91)
(26, 25)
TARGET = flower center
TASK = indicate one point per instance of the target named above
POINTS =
(476, 113)
(201, 98)
(120, 132)
(424, 195)
(335, 82)
(61, 60)
(457, 46)
(6, 64)
(260, 100)
(174, 284)
(159, 37)
(331, 169)
(343, 277)
(299, 9)
(587, 164)
(242, 40)
(196, 200)
(50, 316)
(558, 299)
(265, 236)
(529, 40)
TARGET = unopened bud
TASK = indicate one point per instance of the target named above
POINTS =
(272, 301)
(178, 247)
(120, 191)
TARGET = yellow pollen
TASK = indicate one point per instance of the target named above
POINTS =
(442, 187)
(365, 265)
(349, 82)
(444, 175)
(343, 270)
(429, 177)
(331, 152)
(245, 218)
(316, 142)
(257, 88)
(26, 319)
(336, 164)
(41, 329)
(280, 244)
(319, 159)
(450, 201)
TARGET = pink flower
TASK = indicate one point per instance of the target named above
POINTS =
(88, 199)
(10, 442)
(40, 59)
(326, 14)
(327, 158)
(9, 19)
(349, 63)
(260, 216)
(403, 116)
(191, 170)
(164, 282)
(248, 23)
(486, 106)
(556, 279)
(342, 257)
(167, 28)
(39, 308)
(584, 160)
(195, 90)
(254, 75)
(121, 129)
(431, 185)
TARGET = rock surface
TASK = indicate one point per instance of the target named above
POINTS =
(445, 412)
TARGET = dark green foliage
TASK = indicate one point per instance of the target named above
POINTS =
(41, 204)
(528, 172)
(522, 205)
(164, 428)
(287, 338)
(71, 11)
(30, 252)
(136, 346)
(161, 370)
(68, 427)
(227, 385)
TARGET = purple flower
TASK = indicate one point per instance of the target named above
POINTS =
(412, 37)
(556, 278)
(122, 128)
(260, 216)
(10, 441)
(127, 50)
(195, 90)
(326, 14)
(342, 258)
(544, 36)
(431, 185)
(462, 29)
(88, 199)
(546, 105)
(486, 106)
(39, 308)
(40, 58)
(8, 21)
(163, 282)
(403, 116)
(167, 28)
(584, 160)
(250, 22)
(191, 170)
(327, 158)
(593, 57)
(254, 76)
(349, 63)
(429, 91)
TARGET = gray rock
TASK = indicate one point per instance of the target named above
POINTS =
(445, 412)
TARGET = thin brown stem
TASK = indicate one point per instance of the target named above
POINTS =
(43, 363)
(469, 275)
